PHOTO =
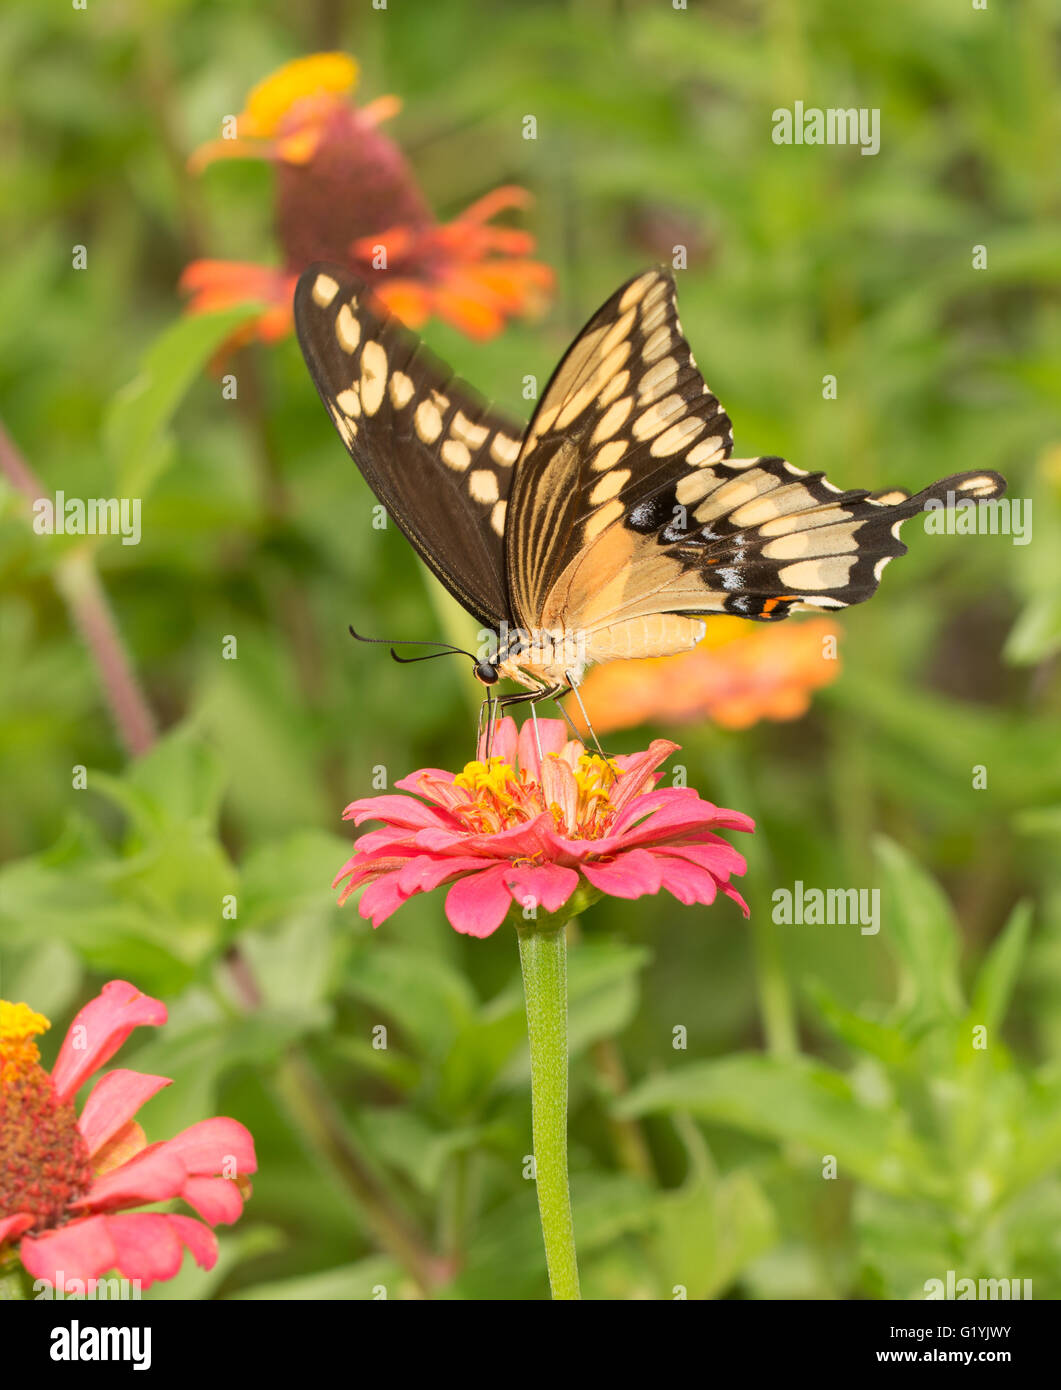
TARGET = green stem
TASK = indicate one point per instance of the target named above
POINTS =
(311, 1106)
(543, 955)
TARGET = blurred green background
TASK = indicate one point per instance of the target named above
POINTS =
(697, 1169)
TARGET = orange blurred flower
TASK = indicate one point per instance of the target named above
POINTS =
(345, 193)
(740, 673)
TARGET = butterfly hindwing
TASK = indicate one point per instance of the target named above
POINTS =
(434, 453)
(625, 412)
(769, 538)
(756, 538)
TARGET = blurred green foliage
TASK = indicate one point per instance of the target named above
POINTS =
(653, 129)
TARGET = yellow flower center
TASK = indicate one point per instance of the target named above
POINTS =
(499, 797)
(44, 1163)
(595, 778)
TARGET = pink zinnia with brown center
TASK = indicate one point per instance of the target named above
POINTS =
(67, 1180)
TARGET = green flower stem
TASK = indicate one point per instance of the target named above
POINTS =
(318, 1120)
(543, 955)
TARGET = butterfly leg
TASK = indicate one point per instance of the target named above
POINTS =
(533, 698)
(537, 731)
(573, 683)
(557, 696)
(490, 707)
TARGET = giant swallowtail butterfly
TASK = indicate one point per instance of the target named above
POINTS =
(617, 520)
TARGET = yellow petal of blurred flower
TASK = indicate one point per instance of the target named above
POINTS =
(275, 95)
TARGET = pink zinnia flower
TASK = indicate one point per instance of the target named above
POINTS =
(67, 1180)
(522, 829)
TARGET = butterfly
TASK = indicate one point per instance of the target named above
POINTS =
(614, 523)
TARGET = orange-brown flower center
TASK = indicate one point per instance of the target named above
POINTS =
(44, 1162)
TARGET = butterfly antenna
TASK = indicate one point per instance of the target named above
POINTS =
(408, 660)
(445, 648)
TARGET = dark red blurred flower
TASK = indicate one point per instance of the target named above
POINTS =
(345, 193)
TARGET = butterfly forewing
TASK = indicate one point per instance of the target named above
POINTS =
(624, 413)
(620, 515)
(435, 454)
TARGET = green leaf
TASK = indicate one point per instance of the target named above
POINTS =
(291, 965)
(371, 1278)
(141, 411)
(919, 924)
(1036, 635)
(791, 1100)
(709, 1230)
(862, 1035)
(1000, 969)
(506, 1258)
(427, 999)
(45, 976)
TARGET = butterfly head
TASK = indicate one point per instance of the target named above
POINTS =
(486, 673)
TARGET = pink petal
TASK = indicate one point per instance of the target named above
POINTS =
(198, 1238)
(687, 882)
(559, 788)
(139, 1245)
(628, 875)
(403, 811)
(217, 1200)
(720, 859)
(81, 1249)
(380, 900)
(553, 735)
(146, 1245)
(363, 868)
(731, 892)
(527, 841)
(428, 871)
(445, 794)
(114, 1100)
(98, 1032)
(638, 769)
(218, 1145)
(675, 820)
(12, 1226)
(478, 904)
(386, 841)
(503, 743)
(549, 885)
(412, 783)
(154, 1175)
(650, 801)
